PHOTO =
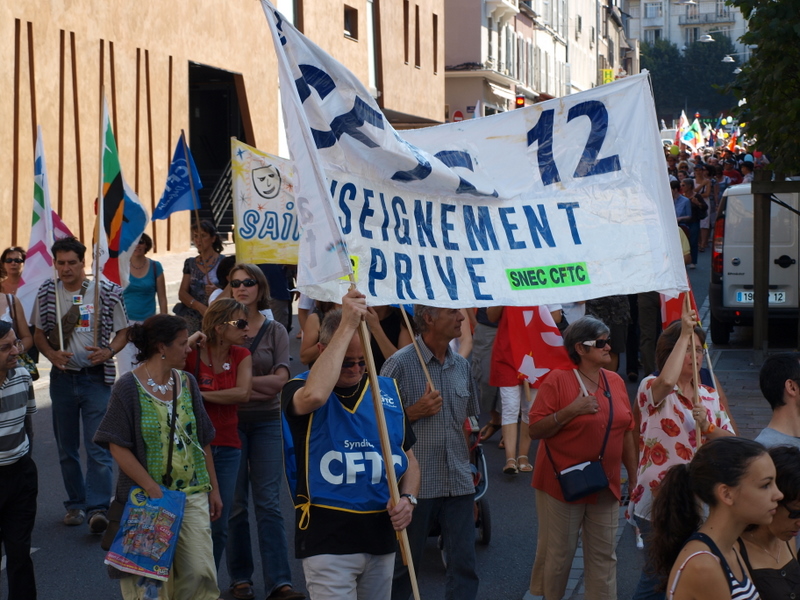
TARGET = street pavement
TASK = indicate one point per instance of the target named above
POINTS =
(69, 561)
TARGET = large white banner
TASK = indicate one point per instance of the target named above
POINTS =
(561, 201)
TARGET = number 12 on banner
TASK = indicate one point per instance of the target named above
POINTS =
(542, 133)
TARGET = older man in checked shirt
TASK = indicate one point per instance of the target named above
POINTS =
(447, 491)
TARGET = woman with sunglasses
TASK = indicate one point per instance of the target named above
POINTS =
(146, 284)
(575, 428)
(667, 434)
(261, 466)
(12, 261)
(199, 275)
(224, 371)
(135, 429)
(768, 551)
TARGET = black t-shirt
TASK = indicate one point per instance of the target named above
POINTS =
(335, 531)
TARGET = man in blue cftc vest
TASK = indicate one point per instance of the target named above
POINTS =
(345, 532)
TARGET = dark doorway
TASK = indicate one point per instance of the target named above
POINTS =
(214, 117)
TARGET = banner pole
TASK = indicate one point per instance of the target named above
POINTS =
(96, 260)
(416, 347)
(386, 448)
(695, 376)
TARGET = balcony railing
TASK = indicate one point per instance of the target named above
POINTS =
(707, 18)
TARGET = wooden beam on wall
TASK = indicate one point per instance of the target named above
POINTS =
(77, 122)
(32, 83)
(150, 144)
(15, 134)
(169, 142)
(244, 110)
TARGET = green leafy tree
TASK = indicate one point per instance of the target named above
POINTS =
(707, 77)
(696, 80)
(769, 80)
(663, 60)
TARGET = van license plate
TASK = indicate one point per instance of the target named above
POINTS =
(746, 297)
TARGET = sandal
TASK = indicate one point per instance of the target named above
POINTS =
(489, 430)
(243, 591)
(523, 464)
(511, 467)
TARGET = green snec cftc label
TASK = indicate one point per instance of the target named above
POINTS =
(552, 276)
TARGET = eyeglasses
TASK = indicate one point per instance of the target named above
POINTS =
(352, 363)
(238, 323)
(7, 347)
(19, 261)
(235, 283)
(793, 514)
(598, 343)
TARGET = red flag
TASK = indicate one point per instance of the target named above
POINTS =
(528, 346)
(672, 308)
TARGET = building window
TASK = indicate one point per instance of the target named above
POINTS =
(350, 22)
(723, 10)
(417, 62)
(435, 43)
(651, 36)
(490, 36)
(692, 33)
(691, 11)
(652, 10)
(579, 24)
(405, 30)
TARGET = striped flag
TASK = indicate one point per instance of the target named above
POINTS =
(122, 216)
(46, 227)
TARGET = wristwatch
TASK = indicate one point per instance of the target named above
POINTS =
(411, 498)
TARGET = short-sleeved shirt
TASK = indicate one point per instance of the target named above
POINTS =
(82, 334)
(271, 354)
(16, 402)
(332, 531)
(189, 473)
(683, 207)
(668, 437)
(581, 439)
(140, 295)
(441, 449)
(772, 437)
(223, 416)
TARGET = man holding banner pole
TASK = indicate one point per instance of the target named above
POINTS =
(345, 522)
(438, 409)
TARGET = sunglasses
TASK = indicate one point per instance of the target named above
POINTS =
(19, 261)
(238, 323)
(598, 343)
(16, 343)
(793, 514)
(248, 283)
(352, 363)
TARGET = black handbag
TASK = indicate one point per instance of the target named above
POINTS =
(114, 514)
(586, 478)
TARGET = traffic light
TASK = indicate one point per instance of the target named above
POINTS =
(519, 101)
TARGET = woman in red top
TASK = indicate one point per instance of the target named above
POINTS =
(572, 428)
(224, 372)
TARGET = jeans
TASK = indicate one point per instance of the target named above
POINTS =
(19, 486)
(226, 465)
(456, 515)
(261, 469)
(81, 399)
(647, 588)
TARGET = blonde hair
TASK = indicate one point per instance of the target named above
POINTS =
(219, 312)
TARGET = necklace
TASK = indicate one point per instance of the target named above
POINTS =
(142, 266)
(167, 387)
(226, 366)
(358, 387)
(606, 393)
(776, 559)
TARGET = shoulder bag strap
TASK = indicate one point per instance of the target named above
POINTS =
(257, 340)
(166, 479)
(608, 429)
(610, 416)
(12, 309)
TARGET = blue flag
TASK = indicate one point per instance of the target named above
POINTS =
(177, 194)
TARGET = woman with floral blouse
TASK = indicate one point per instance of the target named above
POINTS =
(668, 422)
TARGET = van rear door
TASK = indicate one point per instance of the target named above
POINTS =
(738, 274)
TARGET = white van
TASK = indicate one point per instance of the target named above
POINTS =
(730, 294)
